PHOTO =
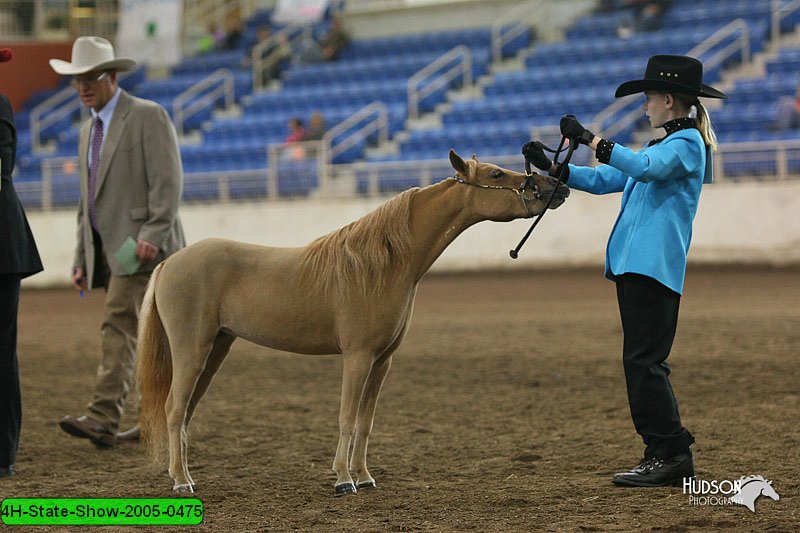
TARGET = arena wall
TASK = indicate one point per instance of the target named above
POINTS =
(736, 223)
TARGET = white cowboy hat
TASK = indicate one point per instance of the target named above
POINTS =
(91, 53)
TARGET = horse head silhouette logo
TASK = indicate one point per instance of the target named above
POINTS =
(751, 487)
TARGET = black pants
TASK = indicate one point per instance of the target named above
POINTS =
(649, 313)
(10, 400)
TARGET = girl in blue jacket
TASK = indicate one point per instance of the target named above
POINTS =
(646, 252)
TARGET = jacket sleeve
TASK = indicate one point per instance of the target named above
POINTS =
(603, 179)
(164, 176)
(673, 158)
(6, 136)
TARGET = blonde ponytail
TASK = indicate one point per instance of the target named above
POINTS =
(703, 120)
(704, 125)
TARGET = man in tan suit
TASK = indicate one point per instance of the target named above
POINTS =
(131, 179)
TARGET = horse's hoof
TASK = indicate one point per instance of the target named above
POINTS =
(366, 485)
(345, 489)
(183, 489)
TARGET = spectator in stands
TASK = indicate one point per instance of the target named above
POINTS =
(642, 15)
(130, 182)
(19, 258)
(316, 127)
(646, 253)
(328, 47)
(273, 55)
(314, 132)
(233, 35)
(210, 40)
(296, 131)
(292, 143)
(788, 112)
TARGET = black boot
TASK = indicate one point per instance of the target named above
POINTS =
(655, 472)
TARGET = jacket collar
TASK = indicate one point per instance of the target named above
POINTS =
(683, 123)
(677, 124)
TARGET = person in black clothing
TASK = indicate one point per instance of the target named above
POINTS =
(233, 35)
(19, 258)
(646, 255)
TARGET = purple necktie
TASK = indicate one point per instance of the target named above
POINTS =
(94, 166)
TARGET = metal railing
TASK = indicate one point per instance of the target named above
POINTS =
(511, 25)
(757, 161)
(54, 109)
(435, 82)
(197, 14)
(260, 66)
(740, 43)
(779, 12)
(300, 172)
(293, 168)
(370, 119)
(193, 100)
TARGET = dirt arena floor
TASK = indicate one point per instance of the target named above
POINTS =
(505, 410)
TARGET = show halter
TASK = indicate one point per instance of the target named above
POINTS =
(529, 183)
(559, 175)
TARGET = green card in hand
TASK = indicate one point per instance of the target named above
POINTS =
(126, 256)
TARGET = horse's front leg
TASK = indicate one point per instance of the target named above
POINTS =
(356, 368)
(366, 416)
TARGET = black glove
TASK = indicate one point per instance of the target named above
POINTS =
(534, 153)
(572, 129)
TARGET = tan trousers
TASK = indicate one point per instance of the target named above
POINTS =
(123, 302)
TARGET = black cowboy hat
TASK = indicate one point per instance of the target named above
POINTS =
(674, 74)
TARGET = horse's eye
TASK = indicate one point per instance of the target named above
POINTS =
(496, 174)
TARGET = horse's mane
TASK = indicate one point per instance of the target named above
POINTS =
(359, 255)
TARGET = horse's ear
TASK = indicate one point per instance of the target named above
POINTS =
(458, 164)
(474, 157)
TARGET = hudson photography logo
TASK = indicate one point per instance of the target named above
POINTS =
(743, 491)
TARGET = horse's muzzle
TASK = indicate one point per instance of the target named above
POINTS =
(560, 195)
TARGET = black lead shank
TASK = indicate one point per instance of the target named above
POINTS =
(559, 174)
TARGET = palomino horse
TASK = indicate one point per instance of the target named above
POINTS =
(355, 287)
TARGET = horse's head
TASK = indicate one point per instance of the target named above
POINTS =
(506, 194)
(751, 487)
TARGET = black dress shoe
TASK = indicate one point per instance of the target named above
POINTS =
(132, 435)
(7, 471)
(88, 428)
(657, 472)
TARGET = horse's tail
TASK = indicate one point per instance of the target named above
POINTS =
(153, 370)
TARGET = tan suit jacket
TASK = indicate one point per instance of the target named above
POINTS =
(138, 187)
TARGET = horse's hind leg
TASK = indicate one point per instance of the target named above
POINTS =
(356, 368)
(220, 349)
(366, 416)
(187, 366)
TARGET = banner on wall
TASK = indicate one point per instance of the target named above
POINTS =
(299, 11)
(150, 31)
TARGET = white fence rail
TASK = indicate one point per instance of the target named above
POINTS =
(301, 171)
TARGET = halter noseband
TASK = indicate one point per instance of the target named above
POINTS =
(529, 182)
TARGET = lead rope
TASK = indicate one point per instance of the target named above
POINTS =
(559, 174)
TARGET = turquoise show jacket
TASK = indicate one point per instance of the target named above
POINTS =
(660, 188)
